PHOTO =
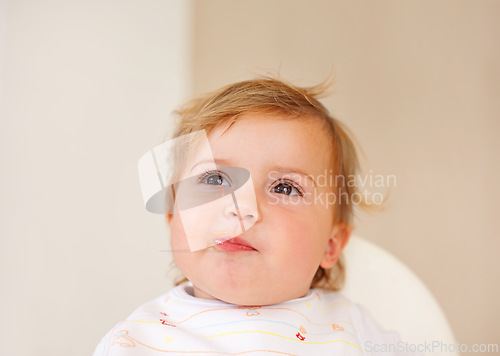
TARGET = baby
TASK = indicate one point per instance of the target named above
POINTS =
(256, 233)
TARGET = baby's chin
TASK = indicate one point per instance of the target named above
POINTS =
(250, 296)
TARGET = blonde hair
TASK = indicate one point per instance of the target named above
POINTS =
(269, 95)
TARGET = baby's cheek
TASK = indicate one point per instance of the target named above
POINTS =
(180, 248)
(298, 241)
(308, 243)
(178, 241)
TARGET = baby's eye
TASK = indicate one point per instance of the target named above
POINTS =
(286, 188)
(214, 178)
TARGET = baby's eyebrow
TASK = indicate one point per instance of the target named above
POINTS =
(218, 162)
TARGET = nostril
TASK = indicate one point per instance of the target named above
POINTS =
(237, 213)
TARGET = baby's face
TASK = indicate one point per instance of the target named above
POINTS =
(293, 231)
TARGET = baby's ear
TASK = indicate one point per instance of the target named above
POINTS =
(338, 240)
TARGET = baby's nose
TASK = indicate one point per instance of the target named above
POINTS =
(241, 209)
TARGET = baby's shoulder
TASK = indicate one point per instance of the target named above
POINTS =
(349, 313)
(144, 321)
(152, 307)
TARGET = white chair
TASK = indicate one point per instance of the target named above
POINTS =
(395, 296)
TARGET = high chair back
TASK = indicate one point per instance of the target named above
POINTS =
(395, 297)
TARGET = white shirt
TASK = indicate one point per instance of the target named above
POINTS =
(176, 323)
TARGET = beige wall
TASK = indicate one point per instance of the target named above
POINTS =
(418, 82)
(87, 87)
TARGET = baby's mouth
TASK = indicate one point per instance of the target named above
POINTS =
(234, 244)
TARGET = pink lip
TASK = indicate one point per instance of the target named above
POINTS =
(234, 245)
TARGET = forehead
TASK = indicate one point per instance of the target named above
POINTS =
(264, 139)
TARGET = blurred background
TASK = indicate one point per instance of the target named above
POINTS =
(87, 87)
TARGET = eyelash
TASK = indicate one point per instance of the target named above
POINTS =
(289, 182)
(207, 174)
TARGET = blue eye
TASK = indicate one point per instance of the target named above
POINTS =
(214, 178)
(286, 187)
